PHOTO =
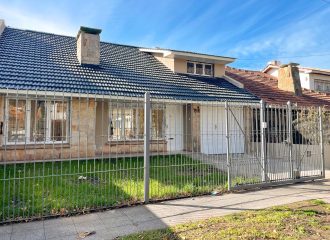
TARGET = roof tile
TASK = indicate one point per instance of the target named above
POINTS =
(43, 61)
(265, 87)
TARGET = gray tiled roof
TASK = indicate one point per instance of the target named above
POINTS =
(32, 60)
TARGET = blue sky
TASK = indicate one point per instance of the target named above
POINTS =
(254, 31)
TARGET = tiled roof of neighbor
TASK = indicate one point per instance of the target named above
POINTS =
(315, 70)
(265, 87)
(42, 61)
(301, 69)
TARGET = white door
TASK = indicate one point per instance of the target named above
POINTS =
(213, 130)
(174, 127)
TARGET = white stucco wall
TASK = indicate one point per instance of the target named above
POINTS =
(305, 81)
(213, 130)
(273, 72)
(327, 156)
(174, 127)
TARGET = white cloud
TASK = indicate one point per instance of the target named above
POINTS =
(300, 38)
(37, 21)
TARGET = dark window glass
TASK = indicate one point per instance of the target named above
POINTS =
(16, 120)
(190, 67)
(208, 69)
(58, 120)
(38, 121)
(127, 122)
(199, 68)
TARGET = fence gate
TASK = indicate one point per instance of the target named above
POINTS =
(282, 144)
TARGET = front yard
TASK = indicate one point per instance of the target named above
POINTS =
(57, 188)
(305, 220)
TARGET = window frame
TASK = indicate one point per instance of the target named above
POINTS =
(137, 107)
(203, 64)
(324, 84)
(28, 105)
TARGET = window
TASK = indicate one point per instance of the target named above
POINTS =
(58, 121)
(200, 68)
(321, 85)
(16, 121)
(208, 69)
(190, 67)
(36, 121)
(157, 123)
(126, 121)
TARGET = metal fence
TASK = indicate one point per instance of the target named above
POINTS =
(69, 153)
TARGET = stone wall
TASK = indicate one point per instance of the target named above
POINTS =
(86, 139)
(88, 48)
(289, 79)
(129, 147)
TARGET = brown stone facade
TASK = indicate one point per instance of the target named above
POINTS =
(289, 79)
(88, 138)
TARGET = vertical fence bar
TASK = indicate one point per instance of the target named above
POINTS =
(228, 146)
(146, 145)
(263, 142)
(290, 139)
(321, 142)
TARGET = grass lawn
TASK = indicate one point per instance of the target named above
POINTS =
(305, 220)
(57, 188)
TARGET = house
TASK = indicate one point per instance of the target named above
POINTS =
(310, 78)
(279, 89)
(83, 105)
(67, 98)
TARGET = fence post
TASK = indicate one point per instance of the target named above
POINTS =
(146, 145)
(228, 146)
(263, 150)
(290, 139)
(321, 142)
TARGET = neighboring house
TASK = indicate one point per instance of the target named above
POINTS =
(310, 78)
(65, 97)
(278, 91)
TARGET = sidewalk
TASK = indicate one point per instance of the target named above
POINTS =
(113, 223)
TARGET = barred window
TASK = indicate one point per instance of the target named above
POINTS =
(126, 122)
(36, 121)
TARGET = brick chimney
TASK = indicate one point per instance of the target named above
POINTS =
(288, 78)
(88, 46)
(2, 26)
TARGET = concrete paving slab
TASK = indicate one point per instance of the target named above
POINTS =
(28, 235)
(139, 214)
(53, 232)
(5, 236)
(6, 229)
(37, 225)
(68, 237)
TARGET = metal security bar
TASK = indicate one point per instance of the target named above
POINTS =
(282, 145)
(67, 153)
